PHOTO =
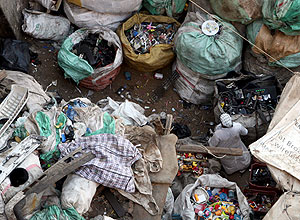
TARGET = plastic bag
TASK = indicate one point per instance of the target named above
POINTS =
(184, 207)
(236, 10)
(159, 7)
(283, 15)
(50, 4)
(160, 55)
(169, 205)
(210, 55)
(78, 192)
(85, 18)
(79, 69)
(33, 167)
(103, 6)
(288, 54)
(44, 26)
(192, 86)
(53, 212)
(14, 55)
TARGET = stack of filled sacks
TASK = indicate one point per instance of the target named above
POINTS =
(206, 49)
(93, 14)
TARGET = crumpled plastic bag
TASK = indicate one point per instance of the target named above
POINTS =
(130, 112)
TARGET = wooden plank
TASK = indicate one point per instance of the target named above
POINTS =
(192, 148)
(169, 122)
(114, 202)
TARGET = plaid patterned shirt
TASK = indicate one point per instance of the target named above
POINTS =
(112, 165)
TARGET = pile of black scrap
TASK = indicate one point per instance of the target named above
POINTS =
(254, 98)
(97, 51)
(146, 35)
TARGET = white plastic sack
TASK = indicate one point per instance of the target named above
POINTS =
(33, 167)
(49, 4)
(169, 205)
(85, 18)
(130, 112)
(78, 192)
(44, 26)
(191, 86)
(184, 207)
(286, 208)
(104, 6)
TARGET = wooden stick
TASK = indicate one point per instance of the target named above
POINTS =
(192, 148)
(169, 122)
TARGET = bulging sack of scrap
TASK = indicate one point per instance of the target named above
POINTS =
(283, 48)
(44, 26)
(236, 10)
(250, 100)
(207, 46)
(279, 148)
(192, 86)
(85, 18)
(91, 57)
(283, 15)
(186, 201)
(78, 193)
(111, 7)
(159, 7)
(142, 49)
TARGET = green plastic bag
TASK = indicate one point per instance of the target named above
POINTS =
(55, 213)
(74, 67)
(210, 56)
(236, 10)
(283, 15)
(159, 7)
(289, 61)
(109, 126)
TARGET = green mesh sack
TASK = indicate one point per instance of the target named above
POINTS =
(159, 7)
(211, 56)
(283, 15)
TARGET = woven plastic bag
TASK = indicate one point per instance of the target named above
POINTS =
(79, 69)
(159, 7)
(211, 55)
(236, 10)
(287, 54)
(85, 18)
(283, 15)
(160, 55)
(111, 7)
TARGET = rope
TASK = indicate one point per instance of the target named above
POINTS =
(209, 152)
(215, 17)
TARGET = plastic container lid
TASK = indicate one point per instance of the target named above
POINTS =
(210, 27)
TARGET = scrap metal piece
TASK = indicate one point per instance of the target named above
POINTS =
(18, 155)
(12, 105)
(60, 169)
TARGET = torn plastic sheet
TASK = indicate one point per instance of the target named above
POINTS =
(130, 112)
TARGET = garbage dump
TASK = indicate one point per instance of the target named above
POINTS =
(91, 57)
(160, 55)
(244, 12)
(282, 15)
(159, 7)
(286, 55)
(250, 100)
